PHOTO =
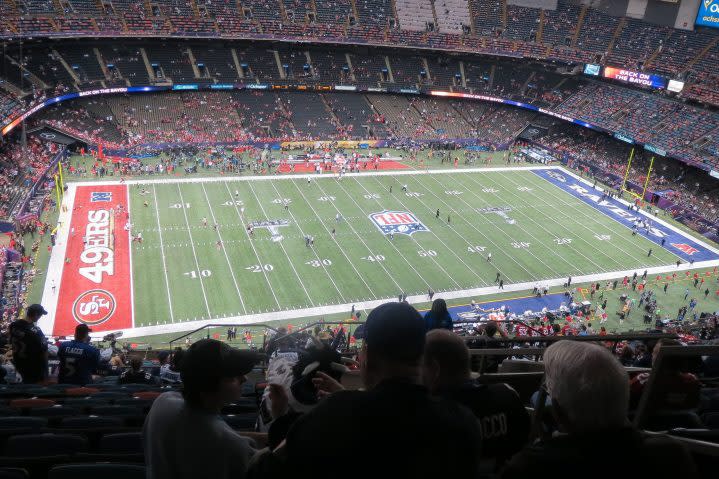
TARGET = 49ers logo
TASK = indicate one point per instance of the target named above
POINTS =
(94, 307)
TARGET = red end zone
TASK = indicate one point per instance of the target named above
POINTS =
(95, 287)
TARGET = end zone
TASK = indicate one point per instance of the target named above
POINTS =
(92, 261)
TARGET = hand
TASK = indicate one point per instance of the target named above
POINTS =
(279, 399)
(325, 384)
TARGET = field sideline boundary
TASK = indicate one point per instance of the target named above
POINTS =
(55, 266)
(314, 175)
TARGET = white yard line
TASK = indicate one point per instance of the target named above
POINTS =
(224, 250)
(57, 262)
(129, 253)
(540, 183)
(252, 245)
(503, 231)
(450, 250)
(342, 250)
(194, 253)
(527, 231)
(315, 176)
(303, 235)
(162, 251)
(304, 288)
(464, 218)
(654, 218)
(420, 298)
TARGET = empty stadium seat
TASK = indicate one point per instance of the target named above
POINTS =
(26, 422)
(13, 473)
(38, 445)
(54, 411)
(31, 403)
(121, 443)
(95, 471)
(81, 391)
(241, 421)
(89, 422)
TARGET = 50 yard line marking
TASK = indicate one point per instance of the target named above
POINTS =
(162, 251)
(224, 250)
(194, 253)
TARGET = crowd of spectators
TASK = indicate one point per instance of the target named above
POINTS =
(324, 395)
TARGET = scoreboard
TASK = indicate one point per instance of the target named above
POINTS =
(708, 14)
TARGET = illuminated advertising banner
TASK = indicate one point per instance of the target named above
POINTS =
(655, 149)
(708, 15)
(592, 69)
(714, 173)
(623, 138)
(222, 86)
(675, 85)
(635, 78)
(185, 87)
(256, 86)
(345, 88)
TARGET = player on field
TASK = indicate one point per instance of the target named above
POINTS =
(250, 230)
(449, 219)
(489, 257)
(404, 188)
(338, 217)
(218, 245)
(334, 232)
(216, 227)
(204, 222)
(437, 214)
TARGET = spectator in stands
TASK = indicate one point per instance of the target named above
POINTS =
(675, 388)
(438, 317)
(166, 372)
(590, 397)
(78, 358)
(29, 346)
(184, 435)
(487, 339)
(502, 416)
(136, 375)
(394, 422)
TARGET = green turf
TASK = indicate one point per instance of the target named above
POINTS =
(247, 276)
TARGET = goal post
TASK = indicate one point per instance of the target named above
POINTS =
(637, 196)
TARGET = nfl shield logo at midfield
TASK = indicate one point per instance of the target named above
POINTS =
(397, 222)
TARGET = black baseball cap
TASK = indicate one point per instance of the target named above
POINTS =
(82, 330)
(394, 330)
(36, 310)
(210, 358)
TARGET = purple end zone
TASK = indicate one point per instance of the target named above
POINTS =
(683, 246)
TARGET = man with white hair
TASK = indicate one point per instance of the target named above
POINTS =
(589, 394)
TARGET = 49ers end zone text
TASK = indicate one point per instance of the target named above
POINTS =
(95, 287)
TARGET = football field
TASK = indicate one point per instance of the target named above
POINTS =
(321, 243)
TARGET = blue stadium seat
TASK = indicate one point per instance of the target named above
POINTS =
(54, 411)
(115, 411)
(241, 421)
(39, 445)
(90, 422)
(22, 422)
(121, 443)
(95, 471)
(13, 473)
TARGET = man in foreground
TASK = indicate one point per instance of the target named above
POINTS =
(395, 424)
(589, 393)
(184, 435)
